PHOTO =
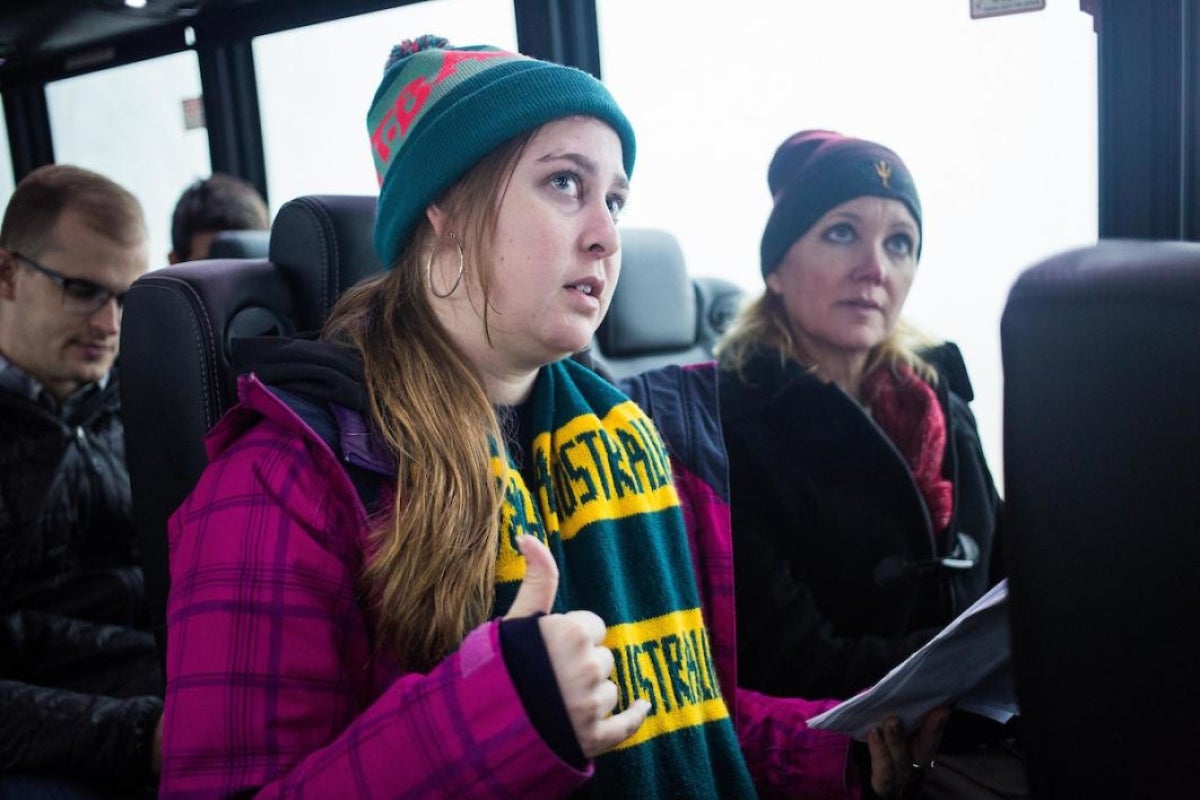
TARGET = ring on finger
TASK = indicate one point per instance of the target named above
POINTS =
(921, 769)
(914, 779)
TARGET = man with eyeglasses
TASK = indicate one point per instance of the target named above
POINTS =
(80, 683)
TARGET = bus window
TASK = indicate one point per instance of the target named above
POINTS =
(128, 123)
(315, 84)
(996, 118)
(6, 172)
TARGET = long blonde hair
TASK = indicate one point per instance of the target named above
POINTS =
(763, 325)
(429, 576)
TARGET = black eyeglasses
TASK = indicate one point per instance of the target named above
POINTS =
(79, 296)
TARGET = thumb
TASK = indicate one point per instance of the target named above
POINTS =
(537, 591)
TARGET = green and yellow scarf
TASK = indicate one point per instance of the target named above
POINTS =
(604, 502)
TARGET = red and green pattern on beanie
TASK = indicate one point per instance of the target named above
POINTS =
(440, 109)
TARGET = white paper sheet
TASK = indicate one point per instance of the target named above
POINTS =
(968, 664)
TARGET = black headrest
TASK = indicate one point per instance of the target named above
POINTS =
(325, 242)
(239, 244)
(1101, 350)
(176, 333)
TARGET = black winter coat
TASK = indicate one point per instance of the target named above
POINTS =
(64, 492)
(833, 540)
(80, 682)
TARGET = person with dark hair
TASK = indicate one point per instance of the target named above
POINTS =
(865, 517)
(80, 680)
(209, 206)
(433, 555)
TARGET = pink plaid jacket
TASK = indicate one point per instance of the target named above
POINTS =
(273, 686)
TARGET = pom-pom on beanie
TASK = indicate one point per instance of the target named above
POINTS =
(815, 171)
(440, 109)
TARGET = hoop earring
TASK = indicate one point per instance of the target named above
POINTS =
(429, 270)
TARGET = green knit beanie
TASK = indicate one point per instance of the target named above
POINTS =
(440, 109)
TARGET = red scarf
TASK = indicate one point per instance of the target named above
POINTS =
(907, 410)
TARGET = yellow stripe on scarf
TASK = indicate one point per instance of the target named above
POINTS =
(668, 661)
(599, 470)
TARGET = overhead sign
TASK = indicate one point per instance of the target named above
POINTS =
(193, 113)
(994, 8)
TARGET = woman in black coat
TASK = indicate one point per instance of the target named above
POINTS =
(864, 514)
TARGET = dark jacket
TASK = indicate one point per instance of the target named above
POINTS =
(833, 543)
(64, 494)
(80, 683)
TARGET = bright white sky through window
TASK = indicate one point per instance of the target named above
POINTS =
(995, 117)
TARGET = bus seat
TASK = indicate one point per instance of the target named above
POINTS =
(325, 244)
(178, 329)
(239, 244)
(1101, 357)
(718, 303)
(659, 315)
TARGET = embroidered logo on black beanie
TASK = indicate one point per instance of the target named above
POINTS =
(814, 171)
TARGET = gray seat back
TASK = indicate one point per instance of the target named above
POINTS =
(659, 315)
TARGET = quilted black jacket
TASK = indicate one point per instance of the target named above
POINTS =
(80, 682)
